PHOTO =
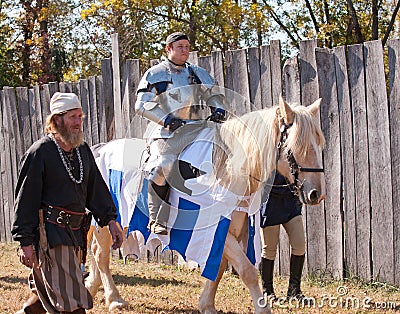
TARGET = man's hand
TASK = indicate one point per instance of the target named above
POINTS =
(173, 123)
(218, 115)
(27, 256)
(116, 234)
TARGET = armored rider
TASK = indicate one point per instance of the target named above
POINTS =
(175, 96)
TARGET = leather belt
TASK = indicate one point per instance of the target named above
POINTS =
(65, 218)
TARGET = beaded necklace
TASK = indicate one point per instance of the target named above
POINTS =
(68, 167)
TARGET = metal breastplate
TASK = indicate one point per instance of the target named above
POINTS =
(179, 90)
(182, 101)
(181, 97)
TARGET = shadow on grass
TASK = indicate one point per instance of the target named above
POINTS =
(181, 310)
(12, 280)
(9, 282)
(172, 311)
(144, 281)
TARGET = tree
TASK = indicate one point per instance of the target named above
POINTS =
(67, 39)
(42, 37)
(334, 23)
(9, 72)
(210, 25)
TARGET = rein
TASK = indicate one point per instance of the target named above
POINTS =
(294, 167)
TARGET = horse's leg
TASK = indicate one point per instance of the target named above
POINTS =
(93, 281)
(247, 272)
(102, 259)
(207, 298)
(235, 245)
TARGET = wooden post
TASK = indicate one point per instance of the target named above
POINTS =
(130, 80)
(361, 184)
(25, 128)
(193, 57)
(254, 77)
(45, 101)
(11, 155)
(314, 215)
(291, 87)
(217, 68)
(265, 72)
(330, 125)
(101, 109)
(276, 70)
(93, 109)
(205, 63)
(5, 174)
(84, 98)
(394, 83)
(380, 164)
(118, 121)
(107, 101)
(38, 112)
(135, 123)
(347, 156)
(237, 80)
(291, 81)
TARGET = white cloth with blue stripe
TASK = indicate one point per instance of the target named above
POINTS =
(198, 223)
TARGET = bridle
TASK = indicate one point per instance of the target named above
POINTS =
(297, 186)
(294, 167)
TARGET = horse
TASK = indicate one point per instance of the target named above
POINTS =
(284, 138)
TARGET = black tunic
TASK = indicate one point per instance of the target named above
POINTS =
(43, 181)
(282, 204)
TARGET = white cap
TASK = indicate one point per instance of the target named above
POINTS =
(61, 102)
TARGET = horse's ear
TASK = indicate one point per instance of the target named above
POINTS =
(285, 111)
(314, 107)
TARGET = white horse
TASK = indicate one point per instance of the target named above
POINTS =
(284, 138)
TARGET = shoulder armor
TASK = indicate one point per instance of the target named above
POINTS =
(157, 76)
(203, 75)
(158, 73)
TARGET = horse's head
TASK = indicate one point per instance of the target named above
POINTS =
(300, 150)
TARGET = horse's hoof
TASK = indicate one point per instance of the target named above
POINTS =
(208, 311)
(114, 305)
(265, 310)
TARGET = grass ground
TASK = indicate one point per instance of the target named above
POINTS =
(155, 288)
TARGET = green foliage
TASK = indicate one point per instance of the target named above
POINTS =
(67, 39)
(332, 23)
(9, 71)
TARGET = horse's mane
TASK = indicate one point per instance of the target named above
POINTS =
(250, 144)
(306, 127)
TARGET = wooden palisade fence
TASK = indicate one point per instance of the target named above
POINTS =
(356, 230)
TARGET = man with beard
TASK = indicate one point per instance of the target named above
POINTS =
(58, 184)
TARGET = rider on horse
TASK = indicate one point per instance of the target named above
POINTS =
(172, 94)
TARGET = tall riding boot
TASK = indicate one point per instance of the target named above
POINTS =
(267, 276)
(32, 306)
(157, 196)
(163, 214)
(296, 268)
